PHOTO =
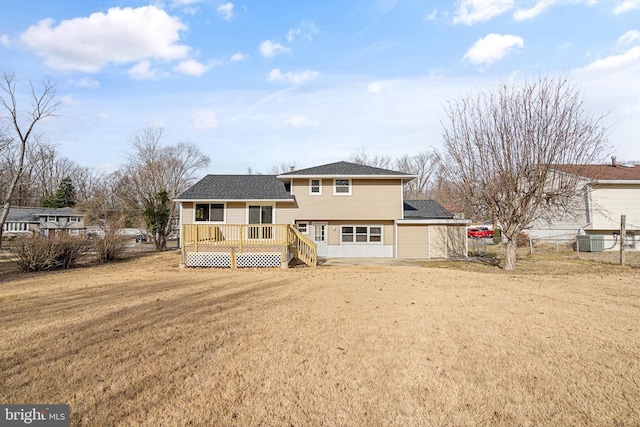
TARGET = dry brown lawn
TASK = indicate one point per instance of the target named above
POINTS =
(143, 342)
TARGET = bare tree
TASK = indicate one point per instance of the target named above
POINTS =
(423, 164)
(283, 167)
(43, 105)
(362, 157)
(151, 169)
(500, 148)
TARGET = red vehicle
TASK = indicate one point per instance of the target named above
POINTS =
(487, 232)
(479, 233)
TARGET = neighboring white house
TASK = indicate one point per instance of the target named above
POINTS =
(606, 193)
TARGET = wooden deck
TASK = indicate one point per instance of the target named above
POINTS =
(245, 245)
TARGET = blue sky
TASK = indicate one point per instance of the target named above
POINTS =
(258, 83)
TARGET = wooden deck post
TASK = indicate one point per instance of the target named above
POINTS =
(234, 261)
(195, 238)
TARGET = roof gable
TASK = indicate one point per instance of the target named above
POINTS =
(344, 169)
(237, 187)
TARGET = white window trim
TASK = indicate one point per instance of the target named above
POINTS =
(319, 185)
(273, 210)
(335, 193)
(51, 220)
(224, 213)
(368, 242)
(306, 226)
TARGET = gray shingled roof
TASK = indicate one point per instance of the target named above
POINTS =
(344, 169)
(19, 214)
(237, 187)
(427, 209)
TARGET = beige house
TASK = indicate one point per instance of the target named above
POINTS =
(605, 193)
(340, 210)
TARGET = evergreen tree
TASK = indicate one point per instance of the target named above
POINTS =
(156, 215)
(63, 197)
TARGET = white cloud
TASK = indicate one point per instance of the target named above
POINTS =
(120, 36)
(492, 47)
(86, 82)
(629, 59)
(269, 49)
(68, 99)
(305, 30)
(143, 71)
(5, 40)
(226, 11)
(185, 2)
(541, 6)
(191, 67)
(205, 119)
(629, 37)
(626, 6)
(239, 57)
(471, 11)
(300, 121)
(294, 78)
(375, 87)
(431, 16)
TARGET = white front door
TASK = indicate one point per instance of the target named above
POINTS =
(320, 237)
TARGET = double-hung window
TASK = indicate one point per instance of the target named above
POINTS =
(361, 234)
(210, 212)
(342, 186)
(315, 187)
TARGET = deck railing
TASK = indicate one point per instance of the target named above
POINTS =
(302, 247)
(237, 236)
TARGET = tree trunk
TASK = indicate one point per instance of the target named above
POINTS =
(510, 254)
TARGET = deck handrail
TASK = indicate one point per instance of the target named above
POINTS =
(302, 247)
(251, 235)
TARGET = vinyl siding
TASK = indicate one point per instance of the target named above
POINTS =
(413, 241)
(236, 213)
(370, 199)
(187, 212)
(416, 241)
(608, 203)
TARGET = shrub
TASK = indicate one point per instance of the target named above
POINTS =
(110, 247)
(497, 236)
(522, 240)
(69, 250)
(35, 254)
(41, 254)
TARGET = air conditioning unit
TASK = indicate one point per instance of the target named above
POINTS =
(589, 243)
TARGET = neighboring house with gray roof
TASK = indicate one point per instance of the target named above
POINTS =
(48, 221)
(346, 209)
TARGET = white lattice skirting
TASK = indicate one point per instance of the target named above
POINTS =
(243, 259)
(209, 259)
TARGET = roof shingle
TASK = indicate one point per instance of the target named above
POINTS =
(344, 169)
(237, 187)
(425, 209)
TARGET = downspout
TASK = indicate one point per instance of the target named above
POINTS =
(395, 238)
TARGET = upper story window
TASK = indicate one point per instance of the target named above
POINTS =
(74, 219)
(342, 186)
(210, 212)
(315, 187)
(51, 218)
